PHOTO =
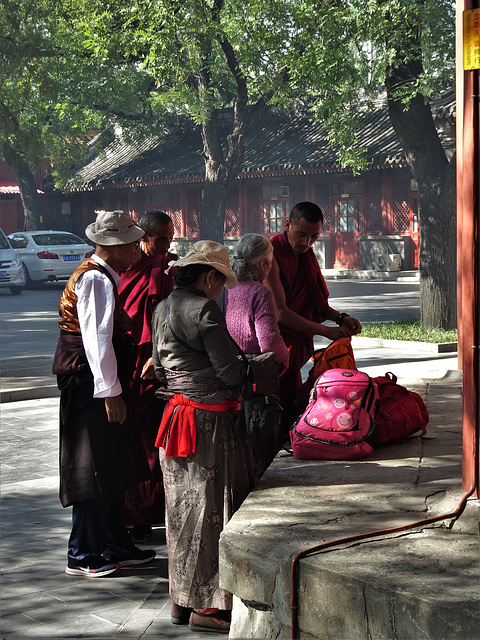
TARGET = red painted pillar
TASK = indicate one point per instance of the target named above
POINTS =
(468, 212)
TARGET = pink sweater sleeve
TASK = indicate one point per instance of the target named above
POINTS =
(266, 325)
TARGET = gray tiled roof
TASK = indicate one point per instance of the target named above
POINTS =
(278, 142)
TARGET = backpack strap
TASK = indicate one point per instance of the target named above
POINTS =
(248, 368)
(369, 396)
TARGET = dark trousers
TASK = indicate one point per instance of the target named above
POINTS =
(98, 529)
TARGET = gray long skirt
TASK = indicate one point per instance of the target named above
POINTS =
(201, 494)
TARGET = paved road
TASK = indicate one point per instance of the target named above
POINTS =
(375, 301)
(28, 323)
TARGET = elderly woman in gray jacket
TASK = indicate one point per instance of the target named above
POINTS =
(207, 471)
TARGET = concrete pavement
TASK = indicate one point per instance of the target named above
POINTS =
(38, 599)
(362, 274)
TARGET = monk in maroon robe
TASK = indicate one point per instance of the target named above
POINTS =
(301, 298)
(143, 286)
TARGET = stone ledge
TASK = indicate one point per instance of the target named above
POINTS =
(407, 586)
(406, 345)
(422, 582)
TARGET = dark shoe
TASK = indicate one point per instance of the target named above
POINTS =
(217, 623)
(137, 556)
(140, 532)
(92, 567)
(180, 615)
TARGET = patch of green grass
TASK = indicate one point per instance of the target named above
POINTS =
(409, 330)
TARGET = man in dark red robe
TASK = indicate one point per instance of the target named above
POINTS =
(301, 298)
(142, 287)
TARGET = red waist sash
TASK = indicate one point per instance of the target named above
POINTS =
(177, 433)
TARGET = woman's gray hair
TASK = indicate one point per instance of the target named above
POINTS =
(251, 250)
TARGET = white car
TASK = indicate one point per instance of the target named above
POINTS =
(12, 274)
(49, 255)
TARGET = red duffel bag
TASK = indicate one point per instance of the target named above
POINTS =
(400, 413)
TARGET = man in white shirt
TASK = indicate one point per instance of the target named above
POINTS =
(101, 452)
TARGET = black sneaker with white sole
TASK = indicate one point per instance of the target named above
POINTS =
(135, 557)
(93, 567)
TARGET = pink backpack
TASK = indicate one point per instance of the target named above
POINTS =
(339, 418)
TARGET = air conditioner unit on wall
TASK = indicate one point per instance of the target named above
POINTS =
(388, 262)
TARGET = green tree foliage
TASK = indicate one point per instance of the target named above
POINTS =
(71, 66)
(407, 49)
(357, 46)
(54, 94)
(206, 55)
(417, 46)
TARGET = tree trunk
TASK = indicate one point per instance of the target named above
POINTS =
(438, 254)
(221, 168)
(217, 186)
(223, 161)
(435, 177)
(32, 207)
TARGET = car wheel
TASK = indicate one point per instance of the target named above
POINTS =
(31, 284)
(16, 291)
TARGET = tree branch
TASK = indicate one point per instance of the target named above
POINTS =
(217, 9)
(210, 135)
(235, 70)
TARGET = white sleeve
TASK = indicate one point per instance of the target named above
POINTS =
(95, 307)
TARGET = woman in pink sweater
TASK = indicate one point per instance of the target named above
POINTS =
(251, 318)
(250, 307)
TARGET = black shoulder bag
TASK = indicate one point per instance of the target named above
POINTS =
(260, 410)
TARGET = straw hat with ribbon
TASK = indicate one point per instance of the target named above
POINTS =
(210, 253)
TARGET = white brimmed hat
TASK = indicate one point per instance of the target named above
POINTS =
(213, 254)
(113, 227)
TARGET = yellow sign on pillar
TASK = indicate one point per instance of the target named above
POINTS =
(471, 39)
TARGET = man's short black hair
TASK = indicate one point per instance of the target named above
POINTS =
(152, 219)
(309, 211)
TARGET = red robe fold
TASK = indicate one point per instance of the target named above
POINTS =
(306, 293)
(143, 286)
